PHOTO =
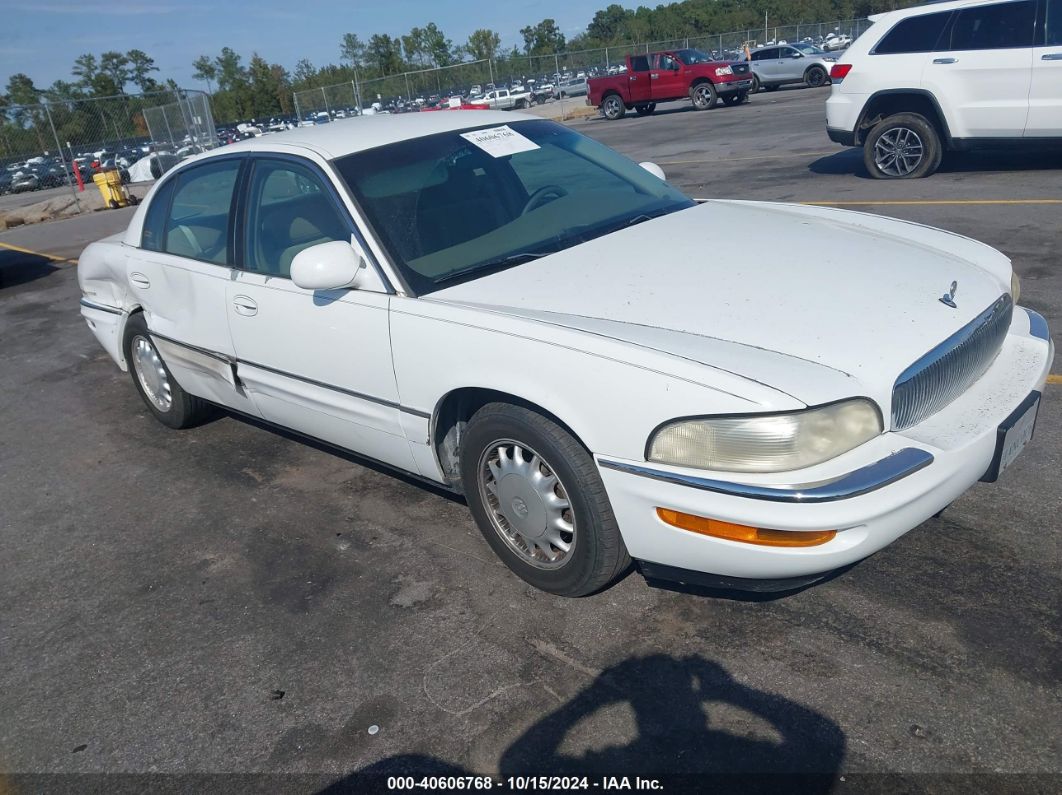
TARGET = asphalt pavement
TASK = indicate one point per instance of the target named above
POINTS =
(228, 600)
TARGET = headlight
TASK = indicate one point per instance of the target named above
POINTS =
(1015, 287)
(767, 442)
(723, 70)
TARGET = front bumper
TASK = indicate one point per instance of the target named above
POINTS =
(871, 495)
(733, 85)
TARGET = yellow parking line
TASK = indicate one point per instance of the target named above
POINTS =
(921, 202)
(1054, 378)
(52, 257)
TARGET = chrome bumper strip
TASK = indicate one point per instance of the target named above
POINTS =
(861, 481)
(1037, 325)
(100, 307)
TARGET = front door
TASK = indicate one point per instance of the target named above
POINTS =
(318, 362)
(180, 276)
(666, 77)
(983, 66)
(1045, 96)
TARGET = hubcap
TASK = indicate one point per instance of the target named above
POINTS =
(703, 96)
(527, 504)
(898, 151)
(612, 107)
(151, 374)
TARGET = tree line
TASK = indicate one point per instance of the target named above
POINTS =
(260, 89)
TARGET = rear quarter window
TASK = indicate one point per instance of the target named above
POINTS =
(996, 27)
(914, 34)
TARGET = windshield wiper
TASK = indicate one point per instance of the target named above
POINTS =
(510, 260)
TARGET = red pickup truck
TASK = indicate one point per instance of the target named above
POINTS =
(669, 75)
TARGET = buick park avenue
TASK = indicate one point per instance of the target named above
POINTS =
(500, 305)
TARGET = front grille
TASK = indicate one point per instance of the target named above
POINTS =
(936, 379)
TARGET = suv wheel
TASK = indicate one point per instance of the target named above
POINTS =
(815, 76)
(755, 84)
(902, 146)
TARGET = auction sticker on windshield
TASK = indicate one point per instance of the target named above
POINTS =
(500, 141)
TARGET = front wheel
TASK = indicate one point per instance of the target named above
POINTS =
(613, 107)
(704, 96)
(645, 110)
(902, 146)
(163, 396)
(538, 499)
(815, 77)
(736, 98)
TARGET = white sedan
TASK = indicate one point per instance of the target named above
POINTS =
(501, 305)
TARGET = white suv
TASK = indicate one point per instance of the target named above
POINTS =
(956, 75)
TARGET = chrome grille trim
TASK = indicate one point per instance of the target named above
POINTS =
(948, 370)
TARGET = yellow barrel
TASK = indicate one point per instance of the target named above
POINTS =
(110, 185)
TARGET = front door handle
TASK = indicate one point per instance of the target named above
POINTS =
(1052, 56)
(654, 76)
(139, 280)
(945, 60)
(245, 306)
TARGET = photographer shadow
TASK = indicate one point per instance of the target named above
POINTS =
(691, 719)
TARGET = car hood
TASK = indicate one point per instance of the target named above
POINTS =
(864, 306)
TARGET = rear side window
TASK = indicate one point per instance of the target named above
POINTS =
(197, 225)
(1053, 23)
(155, 221)
(914, 34)
(765, 55)
(639, 63)
(995, 27)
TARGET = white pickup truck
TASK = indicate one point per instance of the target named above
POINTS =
(504, 99)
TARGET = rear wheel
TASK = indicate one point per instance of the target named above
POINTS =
(645, 110)
(613, 108)
(815, 76)
(538, 499)
(902, 146)
(163, 396)
(704, 96)
(756, 87)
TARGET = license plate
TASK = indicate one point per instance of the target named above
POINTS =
(1013, 434)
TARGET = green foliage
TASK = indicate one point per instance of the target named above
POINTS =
(544, 38)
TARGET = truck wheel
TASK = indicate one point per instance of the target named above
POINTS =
(704, 96)
(736, 98)
(645, 110)
(902, 146)
(815, 76)
(613, 107)
(520, 105)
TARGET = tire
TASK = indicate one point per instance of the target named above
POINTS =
(735, 98)
(645, 110)
(756, 85)
(704, 96)
(770, 87)
(183, 410)
(908, 135)
(613, 108)
(113, 204)
(816, 77)
(596, 554)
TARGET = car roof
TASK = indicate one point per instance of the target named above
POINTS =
(358, 133)
(931, 7)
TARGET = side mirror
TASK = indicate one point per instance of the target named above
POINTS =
(327, 266)
(797, 55)
(654, 169)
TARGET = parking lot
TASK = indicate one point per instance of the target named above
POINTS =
(230, 600)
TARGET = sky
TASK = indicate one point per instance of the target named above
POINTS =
(43, 37)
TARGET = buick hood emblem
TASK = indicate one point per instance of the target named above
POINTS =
(948, 299)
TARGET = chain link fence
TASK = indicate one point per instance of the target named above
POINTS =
(62, 142)
(413, 89)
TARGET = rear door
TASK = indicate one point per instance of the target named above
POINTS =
(638, 80)
(318, 362)
(982, 69)
(666, 78)
(180, 275)
(765, 64)
(1045, 94)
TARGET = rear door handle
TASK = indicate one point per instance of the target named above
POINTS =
(139, 280)
(245, 306)
(945, 60)
(1052, 56)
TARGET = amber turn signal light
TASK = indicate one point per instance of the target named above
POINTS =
(739, 532)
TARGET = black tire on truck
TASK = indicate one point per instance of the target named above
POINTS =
(736, 97)
(613, 108)
(645, 110)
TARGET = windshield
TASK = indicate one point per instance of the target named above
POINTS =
(690, 57)
(810, 49)
(451, 209)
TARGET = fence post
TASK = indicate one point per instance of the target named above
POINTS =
(490, 69)
(325, 97)
(62, 156)
(560, 94)
(607, 64)
(298, 113)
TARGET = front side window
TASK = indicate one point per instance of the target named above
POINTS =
(288, 210)
(198, 222)
(995, 27)
(914, 34)
(1053, 23)
(449, 209)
